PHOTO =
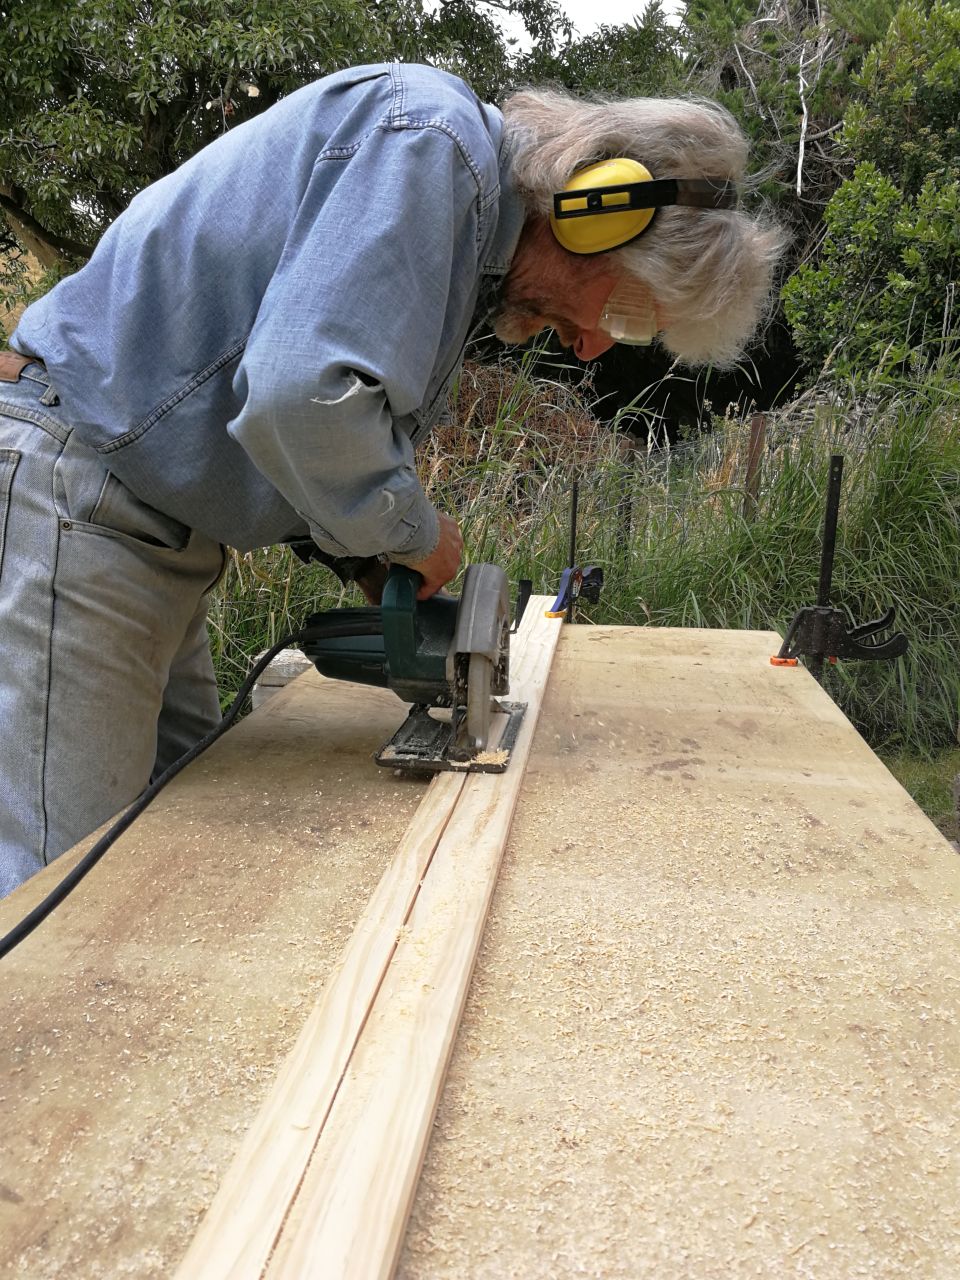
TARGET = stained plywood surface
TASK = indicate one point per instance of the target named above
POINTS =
(143, 1023)
(713, 1030)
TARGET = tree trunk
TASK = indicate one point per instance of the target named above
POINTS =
(45, 254)
(49, 249)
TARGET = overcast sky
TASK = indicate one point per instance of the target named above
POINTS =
(587, 15)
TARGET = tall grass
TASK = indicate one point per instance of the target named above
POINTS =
(679, 544)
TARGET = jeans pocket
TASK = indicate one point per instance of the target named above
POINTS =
(8, 465)
(117, 510)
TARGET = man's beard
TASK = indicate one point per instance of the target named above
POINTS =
(516, 322)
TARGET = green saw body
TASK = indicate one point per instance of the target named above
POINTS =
(448, 654)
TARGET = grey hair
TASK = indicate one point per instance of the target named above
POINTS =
(710, 270)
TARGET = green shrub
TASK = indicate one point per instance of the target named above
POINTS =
(907, 119)
(883, 285)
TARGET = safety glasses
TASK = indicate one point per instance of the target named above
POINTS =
(629, 314)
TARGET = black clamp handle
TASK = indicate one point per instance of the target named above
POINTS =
(820, 632)
(524, 592)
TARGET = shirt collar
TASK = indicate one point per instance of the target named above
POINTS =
(511, 216)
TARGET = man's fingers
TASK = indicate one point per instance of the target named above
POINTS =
(441, 566)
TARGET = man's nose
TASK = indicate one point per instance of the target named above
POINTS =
(591, 343)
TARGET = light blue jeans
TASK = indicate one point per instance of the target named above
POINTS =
(105, 669)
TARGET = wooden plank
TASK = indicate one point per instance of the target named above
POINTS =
(240, 1232)
(349, 1215)
(719, 971)
(714, 1027)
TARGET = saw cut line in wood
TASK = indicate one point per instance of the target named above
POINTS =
(295, 1193)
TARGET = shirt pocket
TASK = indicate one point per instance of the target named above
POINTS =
(9, 458)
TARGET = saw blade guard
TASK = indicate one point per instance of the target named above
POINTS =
(483, 626)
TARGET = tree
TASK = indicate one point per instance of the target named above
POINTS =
(639, 57)
(467, 38)
(101, 97)
(884, 283)
(783, 67)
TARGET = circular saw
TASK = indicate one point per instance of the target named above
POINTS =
(448, 656)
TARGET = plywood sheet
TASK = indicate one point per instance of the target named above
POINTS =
(713, 1030)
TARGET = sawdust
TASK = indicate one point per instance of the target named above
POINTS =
(145, 1022)
(488, 757)
(713, 1031)
(714, 1026)
(492, 757)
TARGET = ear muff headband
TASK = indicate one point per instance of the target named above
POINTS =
(607, 205)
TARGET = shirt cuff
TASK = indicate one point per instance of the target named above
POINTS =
(414, 537)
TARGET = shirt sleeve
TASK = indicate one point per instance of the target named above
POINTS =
(378, 270)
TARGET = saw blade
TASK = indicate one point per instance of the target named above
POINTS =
(479, 701)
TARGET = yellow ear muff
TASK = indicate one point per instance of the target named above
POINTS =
(599, 233)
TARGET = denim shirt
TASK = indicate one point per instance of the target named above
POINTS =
(260, 339)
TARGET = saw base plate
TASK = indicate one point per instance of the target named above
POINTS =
(424, 743)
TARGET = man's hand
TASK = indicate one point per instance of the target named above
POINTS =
(441, 565)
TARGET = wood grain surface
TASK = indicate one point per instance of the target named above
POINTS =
(714, 1027)
(279, 1179)
(143, 1024)
(348, 1218)
(712, 1030)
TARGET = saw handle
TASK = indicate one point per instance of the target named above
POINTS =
(399, 612)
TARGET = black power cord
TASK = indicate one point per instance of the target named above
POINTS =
(319, 628)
